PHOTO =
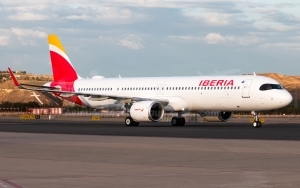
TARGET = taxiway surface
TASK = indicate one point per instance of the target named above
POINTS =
(107, 154)
(275, 129)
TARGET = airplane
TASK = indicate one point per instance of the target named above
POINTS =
(146, 99)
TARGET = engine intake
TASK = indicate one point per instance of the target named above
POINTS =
(147, 111)
(216, 116)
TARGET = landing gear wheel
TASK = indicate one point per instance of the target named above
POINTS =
(130, 122)
(259, 124)
(136, 123)
(178, 121)
(174, 121)
(182, 121)
(256, 124)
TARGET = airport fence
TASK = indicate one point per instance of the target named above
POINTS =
(11, 113)
(167, 116)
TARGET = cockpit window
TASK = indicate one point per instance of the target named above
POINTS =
(270, 86)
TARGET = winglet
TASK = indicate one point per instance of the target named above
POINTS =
(13, 77)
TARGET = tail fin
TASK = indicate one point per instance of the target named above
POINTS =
(62, 67)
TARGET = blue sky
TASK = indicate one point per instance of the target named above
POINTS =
(153, 38)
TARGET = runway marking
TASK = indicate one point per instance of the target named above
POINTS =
(11, 184)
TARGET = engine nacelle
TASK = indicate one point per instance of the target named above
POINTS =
(216, 116)
(147, 111)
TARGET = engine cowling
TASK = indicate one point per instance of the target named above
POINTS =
(147, 111)
(216, 116)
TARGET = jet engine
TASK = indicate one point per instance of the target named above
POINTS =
(216, 116)
(147, 111)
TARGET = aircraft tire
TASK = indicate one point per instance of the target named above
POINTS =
(129, 121)
(178, 121)
(256, 124)
(174, 121)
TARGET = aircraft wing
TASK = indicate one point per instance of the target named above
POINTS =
(121, 99)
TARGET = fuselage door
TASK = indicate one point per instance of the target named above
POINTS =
(246, 88)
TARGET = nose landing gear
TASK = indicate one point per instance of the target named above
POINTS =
(256, 123)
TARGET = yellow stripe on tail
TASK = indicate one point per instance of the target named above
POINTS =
(54, 40)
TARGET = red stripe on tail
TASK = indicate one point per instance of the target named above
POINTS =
(62, 70)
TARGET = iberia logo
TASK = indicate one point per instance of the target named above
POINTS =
(216, 83)
(138, 109)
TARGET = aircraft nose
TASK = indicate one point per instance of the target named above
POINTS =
(286, 98)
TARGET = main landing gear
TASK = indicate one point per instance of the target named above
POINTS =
(178, 121)
(130, 122)
(256, 123)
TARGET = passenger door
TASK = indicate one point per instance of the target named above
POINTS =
(246, 88)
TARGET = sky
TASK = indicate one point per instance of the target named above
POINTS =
(134, 38)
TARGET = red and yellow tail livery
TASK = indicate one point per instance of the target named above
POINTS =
(62, 67)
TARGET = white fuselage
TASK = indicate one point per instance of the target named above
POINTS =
(225, 93)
